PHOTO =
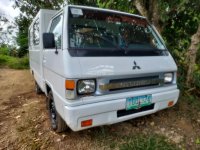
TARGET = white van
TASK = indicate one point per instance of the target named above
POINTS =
(99, 66)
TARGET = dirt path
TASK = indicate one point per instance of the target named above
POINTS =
(24, 122)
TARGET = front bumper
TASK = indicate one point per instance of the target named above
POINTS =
(105, 112)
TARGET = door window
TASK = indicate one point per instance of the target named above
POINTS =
(56, 29)
(36, 38)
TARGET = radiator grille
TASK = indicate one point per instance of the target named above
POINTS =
(120, 84)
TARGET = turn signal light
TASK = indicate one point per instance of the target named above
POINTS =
(170, 103)
(86, 123)
(70, 84)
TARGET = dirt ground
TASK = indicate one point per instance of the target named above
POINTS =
(24, 122)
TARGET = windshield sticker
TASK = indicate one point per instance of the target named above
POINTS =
(76, 11)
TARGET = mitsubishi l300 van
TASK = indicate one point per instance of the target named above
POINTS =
(99, 66)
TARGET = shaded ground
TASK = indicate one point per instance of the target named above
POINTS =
(24, 123)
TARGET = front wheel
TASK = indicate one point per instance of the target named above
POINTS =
(57, 123)
(37, 88)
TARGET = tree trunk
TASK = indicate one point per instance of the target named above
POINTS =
(191, 56)
(152, 12)
(155, 17)
(141, 8)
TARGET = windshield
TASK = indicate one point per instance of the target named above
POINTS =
(102, 33)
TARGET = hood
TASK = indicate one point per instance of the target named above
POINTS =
(93, 67)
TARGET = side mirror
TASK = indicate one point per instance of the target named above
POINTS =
(48, 40)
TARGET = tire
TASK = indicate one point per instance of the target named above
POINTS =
(57, 123)
(37, 89)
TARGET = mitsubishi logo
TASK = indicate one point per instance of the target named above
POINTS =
(135, 66)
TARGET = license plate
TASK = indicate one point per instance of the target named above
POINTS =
(138, 102)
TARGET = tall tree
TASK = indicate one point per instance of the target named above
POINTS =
(181, 22)
(22, 35)
(191, 56)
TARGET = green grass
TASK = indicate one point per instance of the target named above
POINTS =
(14, 62)
(149, 142)
(133, 141)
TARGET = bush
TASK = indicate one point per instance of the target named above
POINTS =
(14, 62)
(4, 50)
(19, 63)
(3, 60)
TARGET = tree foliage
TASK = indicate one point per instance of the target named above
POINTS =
(7, 28)
(181, 21)
(22, 35)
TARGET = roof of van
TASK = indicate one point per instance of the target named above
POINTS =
(104, 9)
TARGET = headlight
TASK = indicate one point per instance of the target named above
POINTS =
(168, 77)
(86, 86)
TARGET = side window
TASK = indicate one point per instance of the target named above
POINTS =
(36, 38)
(56, 29)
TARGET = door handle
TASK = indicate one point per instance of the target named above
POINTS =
(44, 60)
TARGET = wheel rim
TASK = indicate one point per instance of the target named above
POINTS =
(53, 114)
